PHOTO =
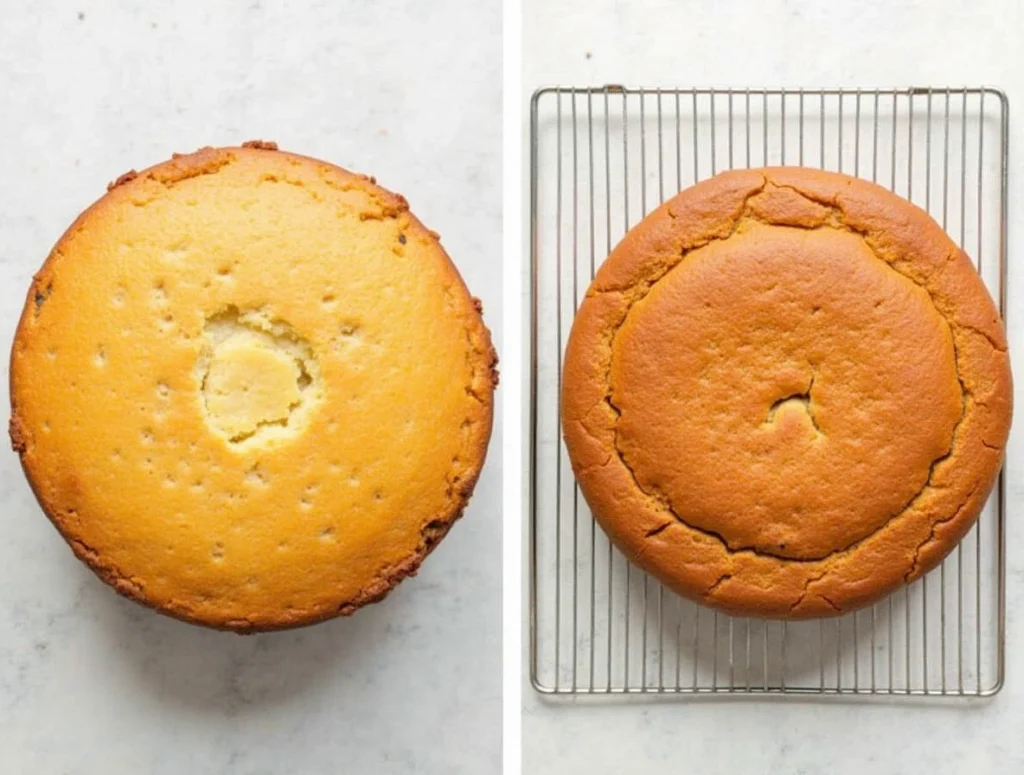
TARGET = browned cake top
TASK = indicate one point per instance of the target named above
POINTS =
(251, 389)
(786, 392)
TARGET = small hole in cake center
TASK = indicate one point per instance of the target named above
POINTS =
(257, 378)
(797, 407)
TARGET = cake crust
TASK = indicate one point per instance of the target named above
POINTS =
(786, 393)
(311, 511)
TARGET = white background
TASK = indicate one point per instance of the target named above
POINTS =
(790, 43)
(408, 91)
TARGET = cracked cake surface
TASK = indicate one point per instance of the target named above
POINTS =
(250, 388)
(786, 393)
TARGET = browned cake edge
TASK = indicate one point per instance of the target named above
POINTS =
(460, 486)
(698, 564)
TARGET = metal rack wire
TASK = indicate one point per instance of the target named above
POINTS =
(601, 159)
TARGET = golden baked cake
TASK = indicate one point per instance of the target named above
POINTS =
(786, 393)
(250, 388)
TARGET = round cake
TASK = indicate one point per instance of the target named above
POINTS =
(250, 388)
(786, 393)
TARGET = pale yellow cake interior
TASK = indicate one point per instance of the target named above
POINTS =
(259, 380)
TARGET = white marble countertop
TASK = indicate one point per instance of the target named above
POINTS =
(791, 43)
(407, 91)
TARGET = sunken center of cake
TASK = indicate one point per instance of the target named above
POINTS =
(258, 379)
(785, 390)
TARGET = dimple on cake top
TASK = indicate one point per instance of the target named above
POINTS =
(786, 392)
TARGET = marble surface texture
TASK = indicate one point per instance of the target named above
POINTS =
(407, 91)
(792, 43)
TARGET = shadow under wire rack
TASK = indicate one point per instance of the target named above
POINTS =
(602, 158)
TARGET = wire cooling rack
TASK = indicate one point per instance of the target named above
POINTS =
(601, 159)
